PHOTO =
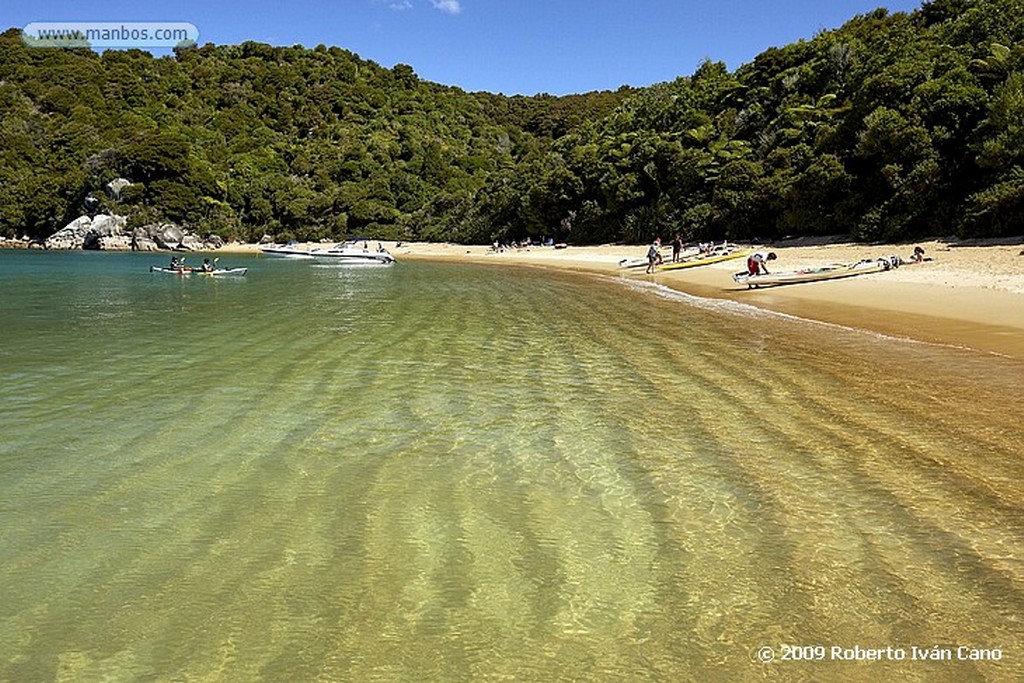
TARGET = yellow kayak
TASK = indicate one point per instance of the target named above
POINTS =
(705, 260)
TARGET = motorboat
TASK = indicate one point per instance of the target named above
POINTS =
(354, 253)
(288, 250)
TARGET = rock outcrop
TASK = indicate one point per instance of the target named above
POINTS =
(142, 241)
(71, 236)
(108, 226)
(110, 233)
(166, 235)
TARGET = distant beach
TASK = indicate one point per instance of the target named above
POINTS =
(968, 293)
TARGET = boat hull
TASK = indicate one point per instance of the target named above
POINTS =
(216, 272)
(353, 256)
(666, 257)
(287, 252)
(697, 261)
(819, 274)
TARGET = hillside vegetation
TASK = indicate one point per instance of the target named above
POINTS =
(890, 127)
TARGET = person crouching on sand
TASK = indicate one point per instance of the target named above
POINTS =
(756, 262)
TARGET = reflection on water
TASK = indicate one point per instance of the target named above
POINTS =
(462, 473)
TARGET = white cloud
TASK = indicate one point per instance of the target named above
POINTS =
(448, 6)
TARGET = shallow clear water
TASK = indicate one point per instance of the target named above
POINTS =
(457, 472)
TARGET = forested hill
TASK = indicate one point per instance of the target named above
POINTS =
(893, 126)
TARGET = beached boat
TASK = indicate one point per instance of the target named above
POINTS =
(819, 273)
(706, 259)
(288, 250)
(351, 253)
(666, 257)
(189, 270)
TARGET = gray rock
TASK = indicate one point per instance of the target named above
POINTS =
(108, 226)
(191, 242)
(114, 187)
(71, 236)
(214, 241)
(168, 236)
(88, 233)
(142, 241)
(114, 243)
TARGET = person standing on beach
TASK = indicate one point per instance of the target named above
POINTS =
(756, 262)
(677, 248)
(654, 255)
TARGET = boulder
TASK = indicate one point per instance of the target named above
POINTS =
(142, 241)
(168, 236)
(108, 226)
(214, 241)
(191, 242)
(114, 243)
(114, 187)
(71, 236)
(88, 233)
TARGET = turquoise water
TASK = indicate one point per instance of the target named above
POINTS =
(465, 473)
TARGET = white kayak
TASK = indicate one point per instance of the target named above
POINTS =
(817, 274)
(188, 270)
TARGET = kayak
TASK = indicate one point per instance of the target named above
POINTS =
(830, 272)
(666, 257)
(705, 260)
(188, 270)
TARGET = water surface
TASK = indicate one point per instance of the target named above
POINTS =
(460, 472)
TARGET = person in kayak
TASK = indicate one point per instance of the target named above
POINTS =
(207, 266)
(756, 262)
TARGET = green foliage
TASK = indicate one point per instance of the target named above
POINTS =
(890, 127)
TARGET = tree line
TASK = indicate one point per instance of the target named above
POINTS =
(891, 127)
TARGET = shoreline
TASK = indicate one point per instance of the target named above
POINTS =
(967, 294)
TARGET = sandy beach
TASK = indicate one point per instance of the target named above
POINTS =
(968, 293)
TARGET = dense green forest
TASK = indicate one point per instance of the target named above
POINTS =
(893, 126)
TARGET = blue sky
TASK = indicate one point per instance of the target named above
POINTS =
(508, 46)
